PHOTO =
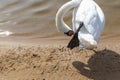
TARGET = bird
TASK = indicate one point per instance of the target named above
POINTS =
(88, 22)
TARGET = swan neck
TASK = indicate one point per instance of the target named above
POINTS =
(61, 25)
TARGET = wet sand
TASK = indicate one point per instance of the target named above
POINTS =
(20, 61)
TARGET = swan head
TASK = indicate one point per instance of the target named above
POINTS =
(69, 33)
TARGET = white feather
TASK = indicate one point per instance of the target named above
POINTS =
(88, 12)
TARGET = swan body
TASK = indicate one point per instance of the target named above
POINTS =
(88, 12)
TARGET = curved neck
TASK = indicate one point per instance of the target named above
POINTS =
(62, 27)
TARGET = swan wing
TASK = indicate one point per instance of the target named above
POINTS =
(92, 17)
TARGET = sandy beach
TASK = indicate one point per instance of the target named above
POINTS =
(31, 48)
(20, 61)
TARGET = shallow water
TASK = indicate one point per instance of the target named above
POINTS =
(34, 19)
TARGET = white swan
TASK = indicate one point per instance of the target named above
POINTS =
(86, 12)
